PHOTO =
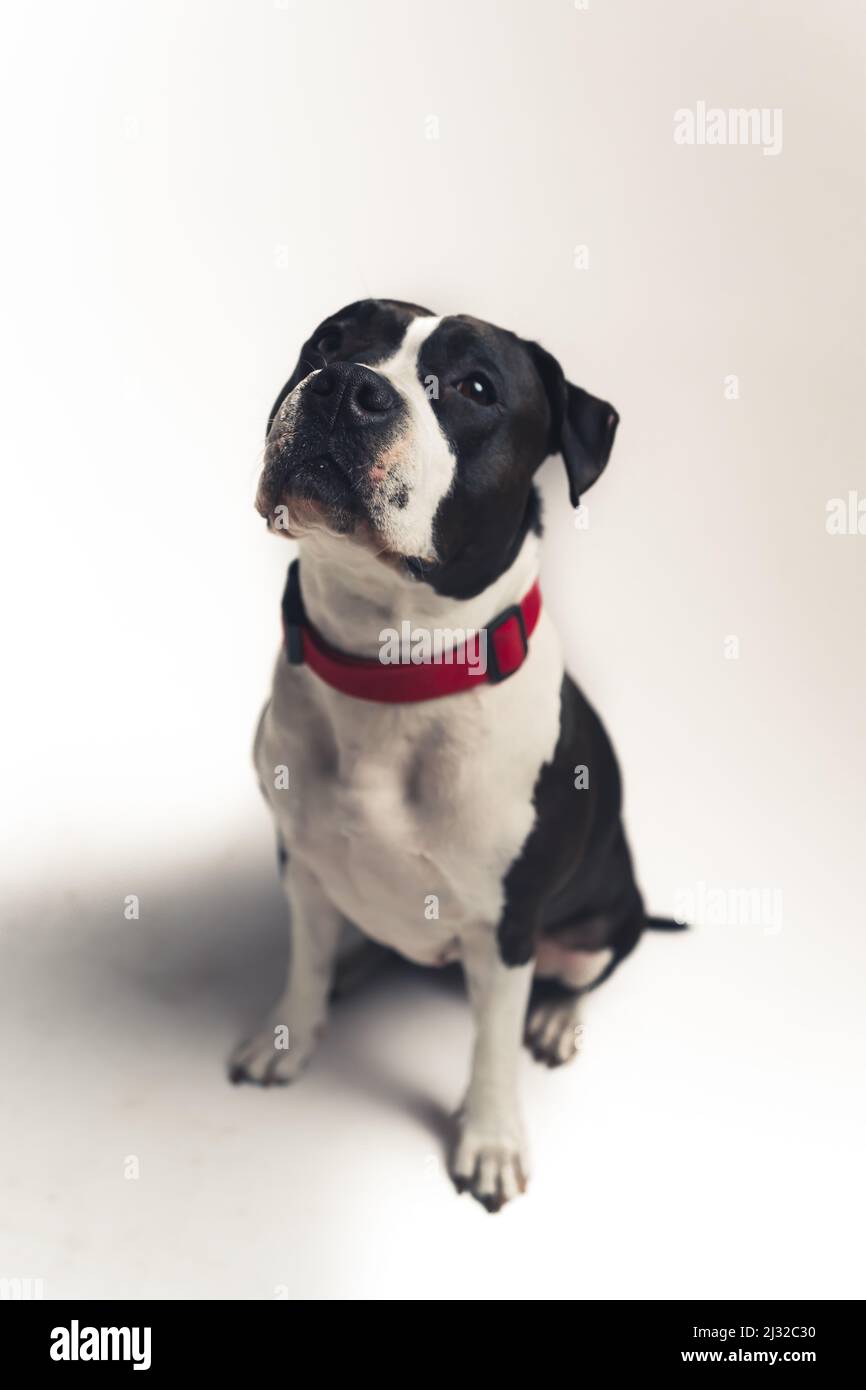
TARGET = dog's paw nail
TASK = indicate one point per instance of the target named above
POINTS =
(492, 1204)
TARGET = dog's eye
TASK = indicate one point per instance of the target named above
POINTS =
(477, 388)
(328, 341)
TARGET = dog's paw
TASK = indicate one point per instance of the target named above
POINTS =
(553, 1031)
(274, 1056)
(491, 1163)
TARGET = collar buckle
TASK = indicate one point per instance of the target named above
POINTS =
(497, 671)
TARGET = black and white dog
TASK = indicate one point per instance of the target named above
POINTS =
(436, 806)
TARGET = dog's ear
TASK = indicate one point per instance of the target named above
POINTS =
(582, 428)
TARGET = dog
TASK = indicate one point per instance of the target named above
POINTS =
(447, 812)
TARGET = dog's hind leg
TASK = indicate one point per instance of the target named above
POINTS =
(553, 1027)
(566, 970)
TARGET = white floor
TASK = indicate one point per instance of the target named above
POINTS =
(708, 1141)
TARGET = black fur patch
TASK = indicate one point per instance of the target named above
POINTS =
(482, 523)
(573, 879)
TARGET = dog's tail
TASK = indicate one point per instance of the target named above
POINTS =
(666, 924)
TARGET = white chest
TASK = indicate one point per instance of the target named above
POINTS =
(410, 815)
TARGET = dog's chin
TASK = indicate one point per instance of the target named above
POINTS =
(316, 500)
(300, 515)
(299, 498)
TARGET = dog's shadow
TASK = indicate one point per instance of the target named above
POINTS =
(210, 950)
(353, 1068)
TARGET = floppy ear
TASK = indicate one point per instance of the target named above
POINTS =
(582, 427)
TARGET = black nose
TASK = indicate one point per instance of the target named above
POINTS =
(355, 393)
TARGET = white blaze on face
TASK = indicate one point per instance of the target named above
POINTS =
(420, 461)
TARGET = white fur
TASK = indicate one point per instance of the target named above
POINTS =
(281, 1048)
(491, 1154)
(577, 969)
(423, 461)
(390, 804)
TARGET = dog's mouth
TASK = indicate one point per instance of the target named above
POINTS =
(300, 495)
(306, 489)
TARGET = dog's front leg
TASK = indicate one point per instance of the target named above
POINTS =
(281, 1048)
(490, 1157)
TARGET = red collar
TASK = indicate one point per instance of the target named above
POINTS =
(370, 679)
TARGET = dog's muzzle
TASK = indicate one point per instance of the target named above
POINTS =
(333, 446)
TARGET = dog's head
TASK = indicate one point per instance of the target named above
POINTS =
(420, 437)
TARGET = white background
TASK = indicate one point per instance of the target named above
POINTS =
(189, 189)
